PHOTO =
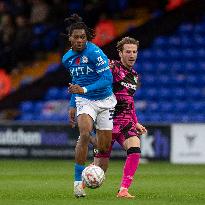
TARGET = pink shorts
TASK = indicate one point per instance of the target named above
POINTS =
(122, 130)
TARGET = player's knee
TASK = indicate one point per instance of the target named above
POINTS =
(132, 150)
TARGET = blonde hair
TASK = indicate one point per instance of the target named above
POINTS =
(126, 40)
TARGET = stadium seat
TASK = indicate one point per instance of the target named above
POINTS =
(186, 27)
(160, 41)
(52, 67)
(26, 117)
(166, 107)
(26, 107)
(173, 53)
(165, 93)
(52, 93)
(174, 41)
(38, 106)
(153, 106)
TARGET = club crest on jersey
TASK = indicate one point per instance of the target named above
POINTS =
(122, 74)
(84, 59)
(135, 79)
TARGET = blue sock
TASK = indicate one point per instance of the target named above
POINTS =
(78, 171)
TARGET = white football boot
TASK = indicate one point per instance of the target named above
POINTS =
(79, 189)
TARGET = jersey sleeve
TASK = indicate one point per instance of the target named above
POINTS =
(100, 60)
(134, 116)
(72, 101)
(101, 64)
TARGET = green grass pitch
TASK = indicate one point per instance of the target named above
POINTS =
(42, 182)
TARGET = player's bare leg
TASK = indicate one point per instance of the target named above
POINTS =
(98, 161)
(102, 162)
(132, 145)
(103, 141)
(104, 138)
(85, 124)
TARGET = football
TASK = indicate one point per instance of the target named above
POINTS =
(93, 176)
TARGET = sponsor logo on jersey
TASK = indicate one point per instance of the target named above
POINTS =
(103, 69)
(129, 85)
(100, 61)
(81, 70)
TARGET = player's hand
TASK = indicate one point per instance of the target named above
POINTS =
(75, 89)
(141, 128)
(71, 114)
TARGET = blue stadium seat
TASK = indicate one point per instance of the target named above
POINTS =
(148, 80)
(164, 80)
(52, 67)
(26, 117)
(201, 66)
(63, 93)
(162, 67)
(169, 117)
(160, 54)
(199, 40)
(191, 67)
(188, 53)
(52, 94)
(152, 106)
(200, 53)
(174, 41)
(186, 27)
(176, 67)
(179, 80)
(160, 41)
(194, 93)
(151, 93)
(146, 54)
(197, 118)
(198, 107)
(38, 106)
(178, 93)
(26, 106)
(173, 53)
(186, 41)
(199, 28)
(148, 66)
(154, 118)
(165, 93)
(192, 80)
(180, 107)
(166, 107)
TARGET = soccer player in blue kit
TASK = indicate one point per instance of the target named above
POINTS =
(92, 96)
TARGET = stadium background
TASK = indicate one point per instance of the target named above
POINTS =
(170, 101)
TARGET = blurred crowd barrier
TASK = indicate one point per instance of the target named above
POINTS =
(176, 143)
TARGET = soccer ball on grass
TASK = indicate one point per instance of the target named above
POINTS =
(93, 176)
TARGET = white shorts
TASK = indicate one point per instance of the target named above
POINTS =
(101, 111)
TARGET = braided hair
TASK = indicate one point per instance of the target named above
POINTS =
(76, 22)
